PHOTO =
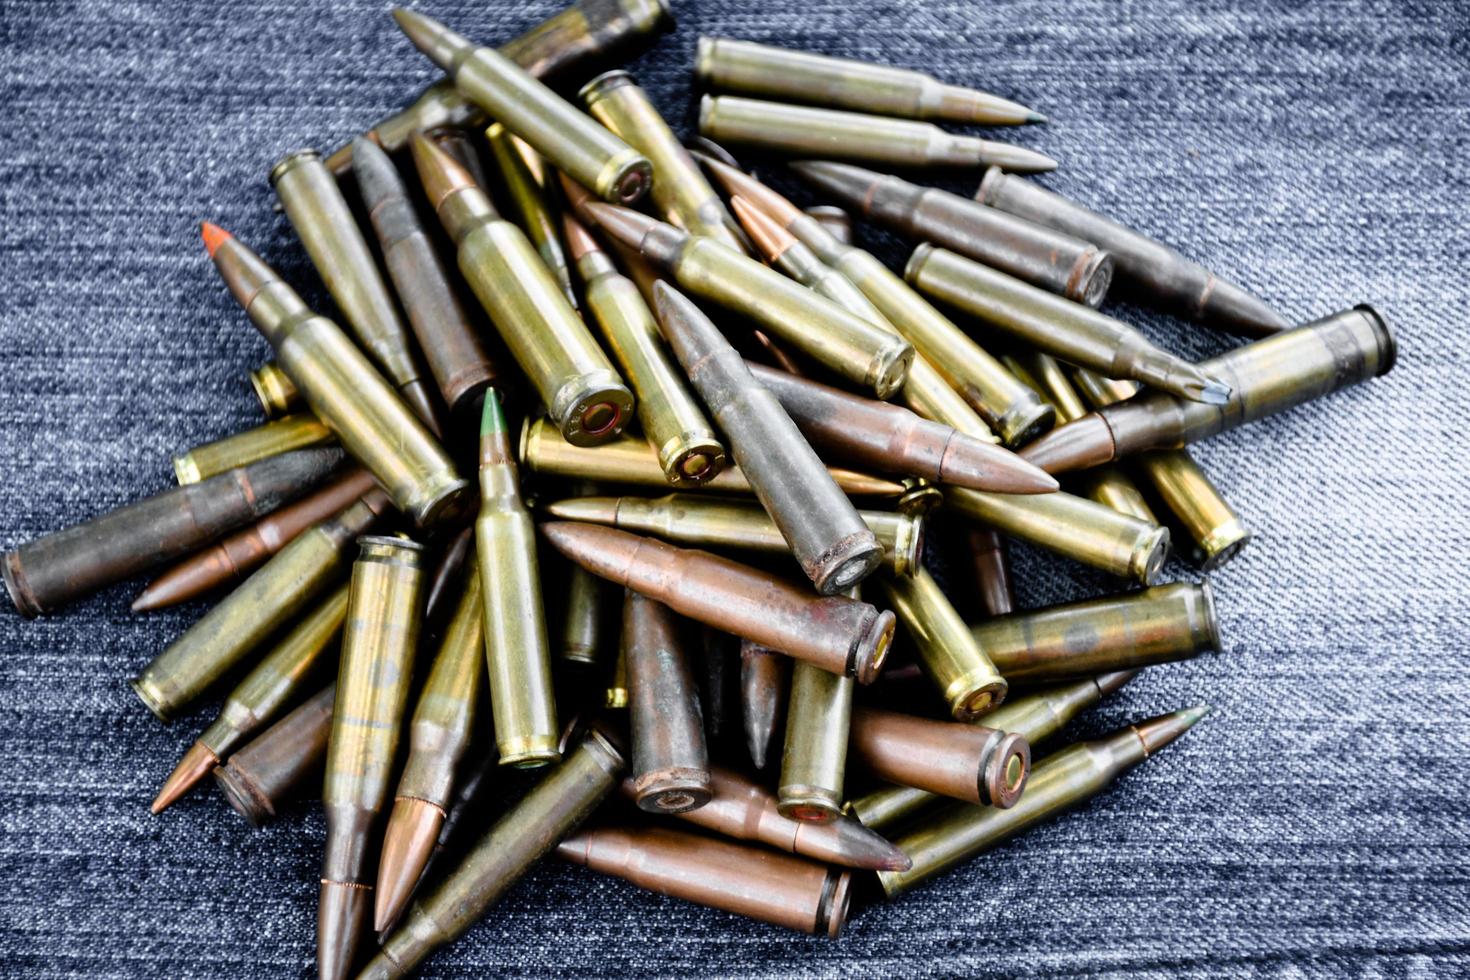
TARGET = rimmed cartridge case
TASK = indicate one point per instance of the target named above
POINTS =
(966, 678)
(670, 768)
(262, 442)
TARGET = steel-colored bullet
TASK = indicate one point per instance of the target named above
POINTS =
(443, 584)
(51, 571)
(516, 647)
(765, 680)
(992, 571)
(670, 770)
(1070, 331)
(804, 131)
(1060, 781)
(275, 389)
(714, 522)
(836, 221)
(248, 616)
(1267, 376)
(532, 203)
(786, 75)
(438, 738)
(281, 761)
(814, 757)
(384, 612)
(631, 460)
(546, 337)
(1034, 253)
(456, 355)
(827, 537)
(324, 223)
(680, 193)
(843, 635)
(554, 807)
(296, 663)
(243, 448)
(980, 381)
(974, 763)
(550, 125)
(672, 420)
(947, 652)
(1149, 269)
(860, 351)
(343, 388)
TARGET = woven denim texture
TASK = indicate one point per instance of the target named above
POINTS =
(1315, 825)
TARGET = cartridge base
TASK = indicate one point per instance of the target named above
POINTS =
(975, 694)
(691, 458)
(813, 804)
(625, 178)
(240, 792)
(846, 563)
(672, 790)
(1221, 545)
(592, 409)
(152, 697)
(1090, 278)
(530, 752)
(15, 584)
(1149, 557)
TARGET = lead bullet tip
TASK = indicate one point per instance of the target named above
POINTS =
(1215, 392)
(197, 763)
(214, 236)
(1036, 117)
(1155, 733)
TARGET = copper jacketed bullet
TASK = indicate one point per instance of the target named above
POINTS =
(974, 763)
(275, 389)
(1150, 269)
(51, 571)
(546, 337)
(966, 678)
(262, 442)
(670, 770)
(992, 571)
(765, 681)
(281, 762)
(843, 635)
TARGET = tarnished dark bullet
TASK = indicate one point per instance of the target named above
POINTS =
(672, 420)
(804, 131)
(829, 540)
(843, 635)
(860, 351)
(765, 681)
(763, 885)
(281, 761)
(262, 442)
(275, 389)
(327, 230)
(814, 756)
(1267, 376)
(1070, 331)
(438, 737)
(834, 220)
(1150, 269)
(582, 638)
(384, 611)
(1060, 781)
(295, 664)
(786, 75)
(888, 437)
(670, 770)
(531, 202)
(443, 585)
(992, 571)
(455, 353)
(546, 337)
(51, 571)
(555, 806)
(1042, 256)
(343, 388)
(708, 521)
(550, 125)
(516, 646)
(968, 681)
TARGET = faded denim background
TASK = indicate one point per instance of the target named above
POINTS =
(1316, 825)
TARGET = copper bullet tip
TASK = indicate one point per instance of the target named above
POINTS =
(194, 766)
(342, 911)
(623, 224)
(579, 240)
(734, 181)
(214, 236)
(413, 829)
(1078, 445)
(769, 237)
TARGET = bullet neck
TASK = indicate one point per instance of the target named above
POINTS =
(800, 263)
(664, 246)
(464, 210)
(349, 837)
(276, 310)
(1125, 749)
(595, 265)
(823, 243)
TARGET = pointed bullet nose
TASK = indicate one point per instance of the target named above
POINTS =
(438, 43)
(440, 173)
(603, 551)
(623, 224)
(1110, 683)
(847, 183)
(588, 510)
(197, 763)
(579, 240)
(1159, 732)
(1017, 159)
(416, 396)
(413, 829)
(214, 236)
(980, 465)
(342, 920)
(1078, 445)
(862, 848)
(769, 237)
(377, 178)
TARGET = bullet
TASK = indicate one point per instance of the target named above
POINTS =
(324, 223)
(680, 193)
(275, 389)
(251, 446)
(814, 759)
(248, 616)
(531, 203)
(992, 571)
(1148, 268)
(775, 888)
(297, 663)
(384, 612)
(443, 586)
(688, 450)
(279, 762)
(725, 65)
(1034, 253)
(545, 336)
(1054, 325)
(1266, 376)
(456, 355)
(438, 738)
(631, 460)
(713, 522)
(554, 807)
(516, 648)
(584, 33)
(889, 437)
(947, 653)
(974, 763)
(765, 680)
(1010, 408)
(53, 570)
(670, 761)
(1136, 629)
(840, 634)
(550, 125)
(342, 388)
(836, 221)
(852, 347)
(1059, 782)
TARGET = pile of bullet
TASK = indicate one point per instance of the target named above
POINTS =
(719, 371)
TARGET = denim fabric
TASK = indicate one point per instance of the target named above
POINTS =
(1314, 826)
